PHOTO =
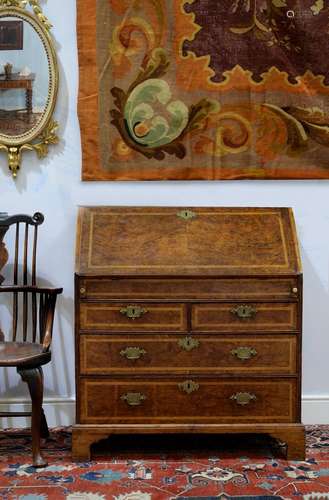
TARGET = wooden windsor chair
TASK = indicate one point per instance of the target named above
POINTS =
(33, 309)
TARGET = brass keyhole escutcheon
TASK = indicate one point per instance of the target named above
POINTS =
(133, 398)
(188, 343)
(244, 353)
(243, 398)
(186, 214)
(189, 386)
(133, 312)
(133, 353)
(244, 312)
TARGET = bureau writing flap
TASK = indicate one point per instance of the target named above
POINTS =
(117, 241)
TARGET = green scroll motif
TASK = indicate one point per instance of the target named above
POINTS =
(153, 119)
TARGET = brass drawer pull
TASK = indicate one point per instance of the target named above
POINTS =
(188, 343)
(133, 353)
(133, 398)
(133, 312)
(244, 312)
(189, 386)
(243, 398)
(244, 353)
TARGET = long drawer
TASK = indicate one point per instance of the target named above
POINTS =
(255, 317)
(102, 354)
(187, 289)
(197, 400)
(133, 317)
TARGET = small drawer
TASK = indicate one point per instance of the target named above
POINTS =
(133, 317)
(189, 289)
(104, 355)
(235, 317)
(188, 400)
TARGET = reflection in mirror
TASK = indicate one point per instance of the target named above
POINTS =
(24, 77)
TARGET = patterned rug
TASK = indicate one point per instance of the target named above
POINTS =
(167, 468)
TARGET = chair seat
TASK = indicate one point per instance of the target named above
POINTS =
(23, 354)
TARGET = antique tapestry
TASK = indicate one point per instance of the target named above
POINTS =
(204, 89)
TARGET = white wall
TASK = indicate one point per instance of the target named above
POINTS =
(54, 188)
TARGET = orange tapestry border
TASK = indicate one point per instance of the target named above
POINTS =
(88, 89)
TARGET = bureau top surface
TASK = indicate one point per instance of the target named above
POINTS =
(160, 241)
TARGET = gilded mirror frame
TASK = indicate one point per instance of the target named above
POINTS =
(44, 133)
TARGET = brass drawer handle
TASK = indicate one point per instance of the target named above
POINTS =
(133, 312)
(188, 343)
(133, 398)
(244, 353)
(133, 353)
(189, 386)
(244, 312)
(243, 398)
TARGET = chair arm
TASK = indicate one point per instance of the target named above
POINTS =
(49, 306)
(26, 288)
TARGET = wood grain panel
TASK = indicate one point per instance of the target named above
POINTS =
(102, 401)
(189, 289)
(268, 317)
(214, 241)
(157, 317)
(103, 355)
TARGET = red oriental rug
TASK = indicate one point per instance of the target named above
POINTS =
(149, 468)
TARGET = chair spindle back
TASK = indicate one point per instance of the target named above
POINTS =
(25, 252)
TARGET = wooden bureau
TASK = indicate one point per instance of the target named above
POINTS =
(188, 320)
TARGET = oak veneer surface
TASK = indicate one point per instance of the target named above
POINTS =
(188, 320)
(274, 401)
(188, 289)
(216, 241)
(103, 355)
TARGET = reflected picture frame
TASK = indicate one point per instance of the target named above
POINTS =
(11, 35)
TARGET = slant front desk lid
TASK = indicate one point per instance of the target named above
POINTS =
(147, 241)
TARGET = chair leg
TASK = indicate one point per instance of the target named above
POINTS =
(34, 379)
(44, 426)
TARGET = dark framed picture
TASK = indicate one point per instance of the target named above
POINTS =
(11, 35)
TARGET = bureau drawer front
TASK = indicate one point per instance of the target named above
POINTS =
(102, 355)
(233, 317)
(132, 317)
(188, 400)
(189, 289)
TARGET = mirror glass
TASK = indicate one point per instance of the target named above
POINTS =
(24, 77)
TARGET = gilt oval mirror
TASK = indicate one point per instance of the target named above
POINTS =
(28, 82)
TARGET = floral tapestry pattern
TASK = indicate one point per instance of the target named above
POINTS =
(204, 89)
